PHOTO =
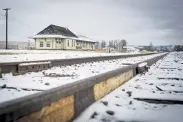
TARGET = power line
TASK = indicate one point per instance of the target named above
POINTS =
(20, 22)
(12, 18)
(2, 14)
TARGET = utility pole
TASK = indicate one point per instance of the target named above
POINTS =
(6, 9)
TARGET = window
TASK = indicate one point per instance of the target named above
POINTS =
(48, 44)
(41, 44)
(57, 40)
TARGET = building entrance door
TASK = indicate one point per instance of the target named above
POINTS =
(58, 44)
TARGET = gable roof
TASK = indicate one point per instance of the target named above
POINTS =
(53, 31)
(57, 30)
(81, 37)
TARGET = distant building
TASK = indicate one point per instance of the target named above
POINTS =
(60, 38)
(167, 48)
(130, 49)
(108, 49)
(15, 45)
(178, 47)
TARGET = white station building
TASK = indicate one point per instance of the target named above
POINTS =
(59, 38)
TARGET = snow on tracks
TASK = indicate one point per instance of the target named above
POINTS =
(58, 76)
(154, 96)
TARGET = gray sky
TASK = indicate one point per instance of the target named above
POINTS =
(137, 21)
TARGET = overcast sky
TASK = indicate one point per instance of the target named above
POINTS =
(137, 21)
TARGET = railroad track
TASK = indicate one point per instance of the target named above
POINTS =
(16, 67)
(80, 93)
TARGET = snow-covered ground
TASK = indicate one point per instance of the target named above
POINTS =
(156, 96)
(33, 55)
(33, 82)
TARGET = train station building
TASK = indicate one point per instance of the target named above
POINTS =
(59, 38)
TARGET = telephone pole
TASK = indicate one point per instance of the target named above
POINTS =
(6, 9)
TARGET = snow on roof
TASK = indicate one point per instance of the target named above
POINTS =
(57, 30)
(49, 36)
(53, 31)
(83, 38)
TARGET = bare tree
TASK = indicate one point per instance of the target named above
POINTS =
(111, 44)
(150, 47)
(116, 43)
(103, 44)
(97, 45)
(121, 44)
(124, 42)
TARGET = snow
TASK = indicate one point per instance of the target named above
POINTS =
(58, 76)
(81, 38)
(34, 63)
(34, 55)
(147, 86)
(48, 36)
(142, 64)
(10, 94)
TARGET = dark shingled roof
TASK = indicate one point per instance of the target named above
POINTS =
(57, 30)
